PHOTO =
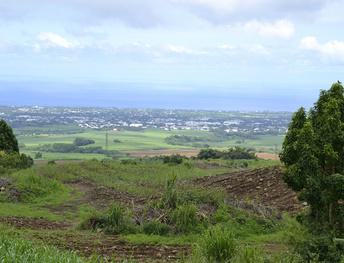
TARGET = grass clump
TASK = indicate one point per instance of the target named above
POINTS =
(215, 245)
(185, 218)
(19, 250)
(156, 228)
(113, 221)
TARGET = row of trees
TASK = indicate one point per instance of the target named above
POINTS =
(313, 154)
(231, 154)
(10, 158)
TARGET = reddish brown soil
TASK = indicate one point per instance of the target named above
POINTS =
(263, 185)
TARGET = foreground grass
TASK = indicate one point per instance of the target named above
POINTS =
(20, 250)
(177, 203)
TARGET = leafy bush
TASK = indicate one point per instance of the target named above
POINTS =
(321, 248)
(79, 141)
(128, 162)
(232, 153)
(10, 162)
(173, 159)
(155, 228)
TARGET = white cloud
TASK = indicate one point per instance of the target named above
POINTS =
(259, 49)
(223, 6)
(54, 40)
(181, 50)
(281, 29)
(332, 50)
(227, 47)
(228, 11)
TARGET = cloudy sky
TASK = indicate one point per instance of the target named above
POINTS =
(190, 46)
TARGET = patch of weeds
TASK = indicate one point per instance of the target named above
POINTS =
(128, 162)
(112, 221)
(156, 228)
(249, 254)
(170, 198)
(33, 185)
(16, 249)
(244, 222)
(215, 245)
(220, 245)
(186, 220)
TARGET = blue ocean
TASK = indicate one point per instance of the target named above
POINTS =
(234, 97)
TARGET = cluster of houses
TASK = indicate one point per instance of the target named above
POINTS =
(114, 119)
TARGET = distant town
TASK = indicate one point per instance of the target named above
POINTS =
(114, 119)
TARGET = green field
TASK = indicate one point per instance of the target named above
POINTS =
(85, 208)
(150, 139)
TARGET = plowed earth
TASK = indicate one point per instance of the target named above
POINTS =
(263, 184)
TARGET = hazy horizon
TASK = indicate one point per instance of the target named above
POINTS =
(202, 54)
(237, 97)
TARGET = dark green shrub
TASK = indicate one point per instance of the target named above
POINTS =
(82, 141)
(173, 159)
(128, 162)
(155, 228)
(320, 248)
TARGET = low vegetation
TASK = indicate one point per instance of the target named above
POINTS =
(175, 213)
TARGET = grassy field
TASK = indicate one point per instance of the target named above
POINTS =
(144, 212)
(150, 139)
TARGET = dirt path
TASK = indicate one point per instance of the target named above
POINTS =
(86, 244)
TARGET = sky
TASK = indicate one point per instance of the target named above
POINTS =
(170, 53)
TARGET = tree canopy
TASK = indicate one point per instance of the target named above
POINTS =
(313, 154)
(8, 141)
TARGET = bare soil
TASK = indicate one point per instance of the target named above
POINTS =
(263, 185)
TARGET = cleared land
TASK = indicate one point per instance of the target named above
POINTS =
(262, 185)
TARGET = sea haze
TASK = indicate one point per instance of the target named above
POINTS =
(236, 97)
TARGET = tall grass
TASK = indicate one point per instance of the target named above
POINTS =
(20, 250)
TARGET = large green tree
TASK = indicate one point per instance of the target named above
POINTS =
(8, 141)
(313, 154)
